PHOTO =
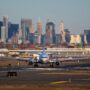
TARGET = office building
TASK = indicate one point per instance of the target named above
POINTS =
(26, 27)
(31, 34)
(50, 33)
(12, 30)
(67, 36)
(19, 36)
(3, 34)
(87, 37)
(75, 39)
(31, 38)
(62, 32)
(39, 31)
(39, 27)
(5, 24)
(37, 39)
(57, 39)
(43, 40)
(1, 24)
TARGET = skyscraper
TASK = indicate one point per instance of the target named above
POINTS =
(43, 40)
(67, 36)
(62, 32)
(12, 30)
(5, 24)
(19, 36)
(39, 31)
(39, 27)
(32, 29)
(87, 36)
(1, 24)
(50, 33)
(26, 25)
(3, 34)
(58, 39)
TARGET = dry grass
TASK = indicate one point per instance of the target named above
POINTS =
(43, 87)
(12, 62)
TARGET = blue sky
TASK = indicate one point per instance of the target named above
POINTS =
(74, 13)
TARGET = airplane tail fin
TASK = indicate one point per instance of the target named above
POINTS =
(43, 49)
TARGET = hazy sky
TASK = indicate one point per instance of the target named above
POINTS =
(74, 13)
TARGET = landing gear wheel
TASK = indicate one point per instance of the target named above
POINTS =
(35, 65)
(30, 63)
(57, 63)
(51, 65)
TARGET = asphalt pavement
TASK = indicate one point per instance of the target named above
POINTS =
(47, 76)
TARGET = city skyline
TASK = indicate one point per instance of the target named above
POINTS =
(75, 14)
(11, 34)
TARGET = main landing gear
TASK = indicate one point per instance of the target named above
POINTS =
(51, 65)
(35, 65)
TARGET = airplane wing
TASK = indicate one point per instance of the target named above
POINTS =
(69, 59)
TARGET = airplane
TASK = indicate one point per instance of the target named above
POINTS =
(42, 58)
(48, 58)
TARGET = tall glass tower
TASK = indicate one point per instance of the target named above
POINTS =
(26, 27)
(50, 33)
(62, 32)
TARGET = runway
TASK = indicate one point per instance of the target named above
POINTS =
(69, 73)
(47, 76)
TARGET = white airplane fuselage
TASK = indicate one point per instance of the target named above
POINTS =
(43, 58)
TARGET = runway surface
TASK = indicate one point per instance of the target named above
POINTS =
(68, 74)
(47, 76)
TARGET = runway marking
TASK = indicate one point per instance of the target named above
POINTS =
(86, 79)
(60, 73)
(44, 69)
(59, 82)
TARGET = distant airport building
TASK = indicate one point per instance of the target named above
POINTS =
(50, 33)
(26, 27)
(5, 24)
(87, 36)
